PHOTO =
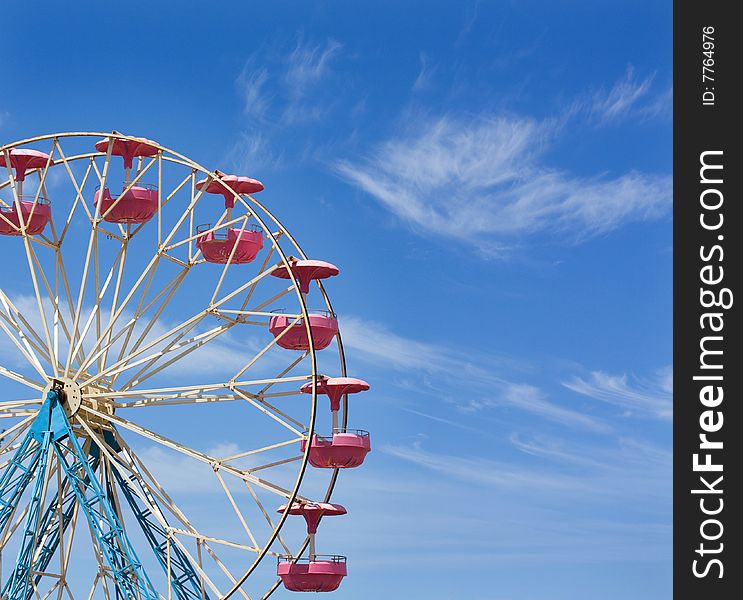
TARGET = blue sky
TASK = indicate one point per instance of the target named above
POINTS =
(493, 179)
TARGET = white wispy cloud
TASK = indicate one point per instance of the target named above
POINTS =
(425, 75)
(251, 85)
(660, 106)
(652, 398)
(483, 180)
(621, 99)
(252, 152)
(571, 467)
(534, 400)
(470, 381)
(308, 63)
(483, 471)
(619, 456)
(281, 86)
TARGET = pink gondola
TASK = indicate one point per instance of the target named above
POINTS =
(346, 449)
(323, 574)
(323, 324)
(137, 205)
(217, 246)
(315, 573)
(35, 217)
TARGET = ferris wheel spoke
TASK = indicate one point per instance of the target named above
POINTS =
(23, 346)
(171, 289)
(115, 299)
(125, 363)
(60, 276)
(133, 463)
(198, 398)
(15, 318)
(31, 256)
(187, 347)
(129, 327)
(266, 516)
(156, 488)
(293, 365)
(202, 573)
(100, 291)
(79, 197)
(16, 413)
(263, 449)
(274, 463)
(114, 318)
(266, 348)
(270, 410)
(186, 391)
(53, 298)
(237, 511)
(11, 434)
(21, 379)
(182, 400)
(92, 242)
(263, 269)
(195, 454)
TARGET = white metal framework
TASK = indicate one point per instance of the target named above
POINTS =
(193, 408)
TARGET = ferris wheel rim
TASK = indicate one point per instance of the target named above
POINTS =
(178, 158)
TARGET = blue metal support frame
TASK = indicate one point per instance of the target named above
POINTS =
(16, 477)
(51, 431)
(19, 582)
(185, 582)
(50, 539)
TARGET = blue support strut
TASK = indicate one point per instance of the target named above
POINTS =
(19, 582)
(51, 431)
(51, 535)
(185, 582)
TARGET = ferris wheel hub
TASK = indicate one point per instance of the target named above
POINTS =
(69, 391)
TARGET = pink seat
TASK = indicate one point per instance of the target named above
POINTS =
(128, 148)
(335, 388)
(322, 574)
(238, 184)
(313, 512)
(216, 246)
(35, 217)
(138, 205)
(305, 271)
(344, 450)
(324, 328)
(23, 159)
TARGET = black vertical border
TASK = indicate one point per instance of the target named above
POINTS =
(699, 128)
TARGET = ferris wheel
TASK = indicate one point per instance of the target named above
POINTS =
(162, 419)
